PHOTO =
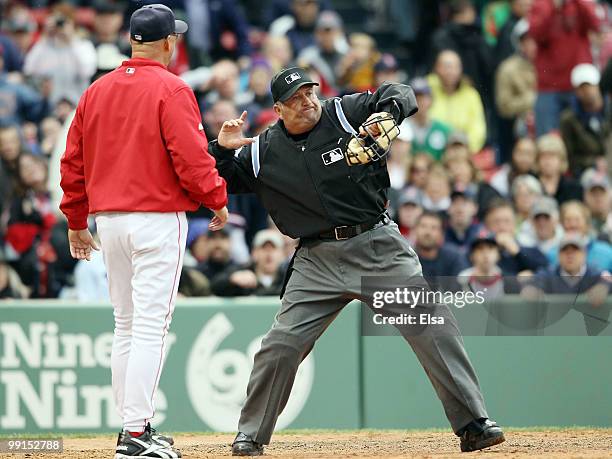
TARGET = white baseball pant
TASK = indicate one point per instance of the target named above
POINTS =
(143, 253)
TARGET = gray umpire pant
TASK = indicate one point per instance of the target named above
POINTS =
(326, 277)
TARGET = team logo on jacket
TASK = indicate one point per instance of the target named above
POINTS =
(292, 77)
(332, 156)
(130, 70)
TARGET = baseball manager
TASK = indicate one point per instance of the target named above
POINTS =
(321, 174)
(136, 157)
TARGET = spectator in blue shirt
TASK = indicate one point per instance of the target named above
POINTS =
(19, 102)
(299, 26)
(576, 218)
(441, 263)
(501, 220)
(573, 275)
(462, 227)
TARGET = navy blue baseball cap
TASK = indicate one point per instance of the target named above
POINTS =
(154, 22)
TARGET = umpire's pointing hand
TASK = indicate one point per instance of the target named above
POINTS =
(231, 136)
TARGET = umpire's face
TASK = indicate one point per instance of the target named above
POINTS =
(300, 112)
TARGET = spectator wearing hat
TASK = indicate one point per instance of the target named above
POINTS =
(330, 47)
(107, 23)
(257, 97)
(506, 38)
(561, 30)
(439, 260)
(386, 69)
(484, 274)
(462, 227)
(429, 135)
(206, 252)
(299, 25)
(576, 218)
(542, 230)
(455, 101)
(275, 9)
(62, 56)
(583, 124)
(20, 27)
(551, 166)
(500, 219)
(596, 186)
(409, 210)
(12, 54)
(218, 253)
(201, 241)
(515, 89)
(263, 276)
(522, 162)
(573, 275)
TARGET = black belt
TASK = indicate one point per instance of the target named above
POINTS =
(340, 233)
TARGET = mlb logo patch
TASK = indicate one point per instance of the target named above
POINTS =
(332, 156)
(292, 77)
(130, 70)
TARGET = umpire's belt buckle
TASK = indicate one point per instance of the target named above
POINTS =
(338, 236)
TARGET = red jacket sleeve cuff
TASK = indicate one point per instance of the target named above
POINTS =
(77, 223)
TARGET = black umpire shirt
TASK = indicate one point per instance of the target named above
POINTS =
(304, 181)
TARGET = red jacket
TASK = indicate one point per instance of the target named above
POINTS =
(562, 38)
(137, 144)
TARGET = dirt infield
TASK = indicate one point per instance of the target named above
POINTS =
(570, 443)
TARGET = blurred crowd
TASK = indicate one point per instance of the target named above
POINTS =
(504, 170)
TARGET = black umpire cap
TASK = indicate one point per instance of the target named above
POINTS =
(286, 82)
(154, 22)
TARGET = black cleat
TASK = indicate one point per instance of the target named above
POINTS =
(145, 446)
(481, 434)
(160, 438)
(245, 446)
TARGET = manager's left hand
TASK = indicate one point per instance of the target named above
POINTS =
(81, 244)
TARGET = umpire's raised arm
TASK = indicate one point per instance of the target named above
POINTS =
(358, 107)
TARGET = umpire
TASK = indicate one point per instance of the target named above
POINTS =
(297, 168)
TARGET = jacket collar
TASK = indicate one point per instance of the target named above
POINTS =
(141, 62)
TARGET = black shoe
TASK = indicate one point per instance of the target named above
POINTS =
(481, 434)
(144, 446)
(245, 446)
(159, 437)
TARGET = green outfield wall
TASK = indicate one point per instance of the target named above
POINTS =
(55, 372)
